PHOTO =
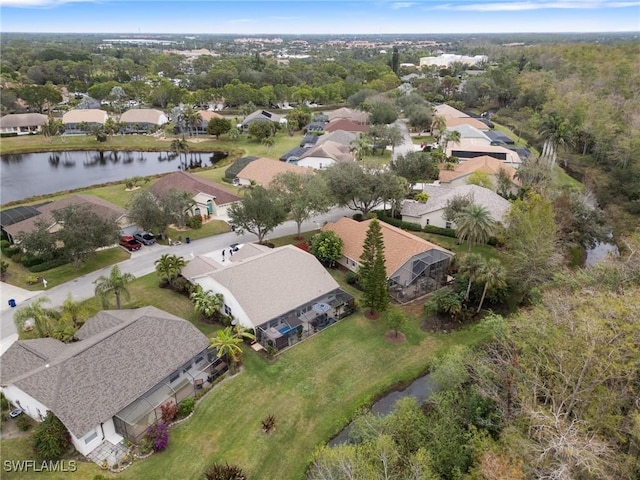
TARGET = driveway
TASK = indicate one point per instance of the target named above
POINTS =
(142, 263)
(407, 144)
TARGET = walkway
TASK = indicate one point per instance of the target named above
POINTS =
(107, 450)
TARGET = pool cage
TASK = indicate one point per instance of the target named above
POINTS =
(290, 328)
(422, 274)
(132, 421)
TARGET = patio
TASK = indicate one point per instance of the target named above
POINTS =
(310, 318)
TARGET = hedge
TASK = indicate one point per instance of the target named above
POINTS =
(41, 267)
(447, 232)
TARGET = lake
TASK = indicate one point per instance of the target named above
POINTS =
(26, 175)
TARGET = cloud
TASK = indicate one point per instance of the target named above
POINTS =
(509, 6)
(399, 5)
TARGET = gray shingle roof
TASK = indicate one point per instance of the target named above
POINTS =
(193, 184)
(338, 136)
(122, 355)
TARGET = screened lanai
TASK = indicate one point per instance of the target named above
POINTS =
(421, 274)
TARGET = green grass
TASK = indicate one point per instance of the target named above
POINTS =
(292, 239)
(213, 227)
(562, 180)
(377, 160)
(459, 249)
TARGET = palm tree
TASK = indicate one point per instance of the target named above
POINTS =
(180, 146)
(450, 136)
(206, 302)
(44, 319)
(191, 118)
(438, 124)
(268, 142)
(73, 312)
(475, 224)
(227, 342)
(470, 267)
(556, 132)
(494, 275)
(168, 267)
(115, 284)
(360, 149)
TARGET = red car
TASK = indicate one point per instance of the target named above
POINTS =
(130, 243)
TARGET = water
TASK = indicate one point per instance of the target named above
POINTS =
(26, 175)
(600, 252)
(421, 389)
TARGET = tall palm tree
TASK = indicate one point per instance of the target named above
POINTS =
(556, 132)
(475, 224)
(191, 118)
(450, 136)
(113, 285)
(438, 124)
(206, 302)
(44, 319)
(227, 342)
(494, 275)
(180, 146)
(470, 267)
(168, 267)
(360, 149)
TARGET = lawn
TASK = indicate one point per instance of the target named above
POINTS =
(452, 244)
(212, 227)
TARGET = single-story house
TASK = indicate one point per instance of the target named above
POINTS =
(471, 147)
(208, 198)
(452, 122)
(447, 111)
(110, 384)
(293, 155)
(414, 266)
(92, 117)
(470, 132)
(263, 116)
(346, 125)
(314, 127)
(488, 165)
(338, 136)
(356, 116)
(262, 171)
(101, 207)
(324, 155)
(498, 136)
(141, 120)
(309, 140)
(236, 167)
(206, 116)
(431, 212)
(22, 123)
(284, 294)
(17, 214)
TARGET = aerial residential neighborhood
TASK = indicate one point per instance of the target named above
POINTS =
(361, 251)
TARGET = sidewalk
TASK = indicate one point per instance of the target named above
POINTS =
(8, 292)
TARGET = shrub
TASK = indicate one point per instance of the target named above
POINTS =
(413, 227)
(4, 266)
(218, 471)
(30, 261)
(48, 265)
(358, 217)
(11, 251)
(186, 407)
(182, 285)
(194, 222)
(4, 244)
(351, 277)
(268, 423)
(158, 436)
(4, 403)
(23, 423)
(17, 258)
(447, 232)
(32, 280)
(51, 438)
(169, 411)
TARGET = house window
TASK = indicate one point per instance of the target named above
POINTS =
(447, 225)
(227, 310)
(90, 438)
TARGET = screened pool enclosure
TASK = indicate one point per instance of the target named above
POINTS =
(422, 274)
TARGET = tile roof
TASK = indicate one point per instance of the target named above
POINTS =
(101, 207)
(357, 116)
(399, 245)
(23, 120)
(206, 115)
(484, 164)
(264, 170)
(439, 195)
(272, 283)
(333, 150)
(445, 110)
(87, 382)
(472, 122)
(345, 124)
(89, 115)
(193, 184)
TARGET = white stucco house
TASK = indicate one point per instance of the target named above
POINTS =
(489, 166)
(283, 294)
(208, 198)
(109, 385)
(432, 211)
(325, 155)
(22, 123)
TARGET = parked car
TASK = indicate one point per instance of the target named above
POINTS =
(130, 243)
(145, 238)
(16, 412)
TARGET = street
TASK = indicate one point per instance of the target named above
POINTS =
(142, 263)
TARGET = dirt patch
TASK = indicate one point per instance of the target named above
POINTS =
(371, 314)
(439, 324)
(391, 337)
(10, 430)
(303, 246)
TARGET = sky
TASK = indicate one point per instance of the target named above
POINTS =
(318, 16)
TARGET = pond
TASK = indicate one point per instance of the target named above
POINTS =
(30, 174)
(599, 252)
(421, 389)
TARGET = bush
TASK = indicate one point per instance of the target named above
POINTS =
(169, 411)
(182, 285)
(268, 423)
(4, 403)
(194, 222)
(217, 471)
(48, 265)
(351, 278)
(186, 407)
(17, 258)
(23, 423)
(447, 232)
(11, 251)
(30, 261)
(51, 438)
(413, 227)
(4, 244)
(158, 436)
(32, 280)
(358, 217)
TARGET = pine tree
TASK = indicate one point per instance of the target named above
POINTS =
(373, 274)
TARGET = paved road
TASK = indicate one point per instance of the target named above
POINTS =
(142, 263)
(407, 145)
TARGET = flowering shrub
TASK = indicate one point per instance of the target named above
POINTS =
(169, 411)
(158, 435)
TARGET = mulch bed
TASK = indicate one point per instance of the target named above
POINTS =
(371, 314)
(440, 324)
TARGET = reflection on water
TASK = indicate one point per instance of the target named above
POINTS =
(600, 252)
(27, 175)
